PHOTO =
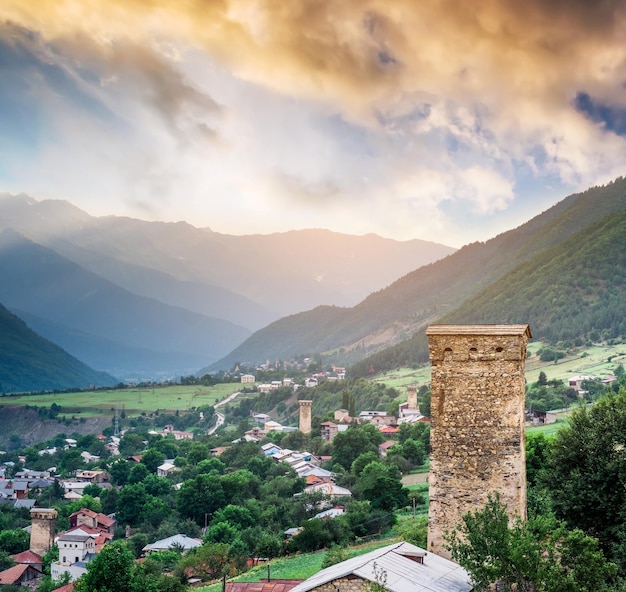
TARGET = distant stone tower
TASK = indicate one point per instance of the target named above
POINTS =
(477, 422)
(305, 416)
(42, 529)
(411, 396)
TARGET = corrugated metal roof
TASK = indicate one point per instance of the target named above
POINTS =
(403, 574)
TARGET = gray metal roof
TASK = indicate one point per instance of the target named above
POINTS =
(178, 540)
(435, 574)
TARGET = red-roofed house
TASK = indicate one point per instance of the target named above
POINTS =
(29, 558)
(96, 520)
(19, 575)
(384, 447)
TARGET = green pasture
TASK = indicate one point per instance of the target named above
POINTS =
(295, 567)
(133, 401)
(592, 360)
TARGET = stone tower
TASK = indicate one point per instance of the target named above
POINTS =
(305, 416)
(411, 396)
(42, 529)
(477, 422)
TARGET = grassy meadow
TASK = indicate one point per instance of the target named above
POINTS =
(296, 567)
(133, 400)
(592, 360)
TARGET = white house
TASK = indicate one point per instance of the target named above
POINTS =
(76, 549)
(166, 469)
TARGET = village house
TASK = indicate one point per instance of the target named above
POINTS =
(216, 452)
(93, 476)
(407, 568)
(97, 520)
(167, 468)
(328, 430)
(76, 549)
(377, 418)
(177, 541)
(169, 430)
(384, 448)
(21, 574)
(248, 379)
(29, 557)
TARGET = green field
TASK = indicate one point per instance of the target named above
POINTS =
(296, 567)
(133, 401)
(590, 360)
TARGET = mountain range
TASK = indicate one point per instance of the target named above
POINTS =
(30, 363)
(386, 329)
(122, 293)
(144, 299)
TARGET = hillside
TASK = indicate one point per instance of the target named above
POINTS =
(102, 324)
(573, 292)
(393, 315)
(248, 280)
(29, 362)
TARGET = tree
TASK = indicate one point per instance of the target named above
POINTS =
(538, 555)
(543, 379)
(138, 473)
(348, 445)
(5, 561)
(208, 562)
(200, 497)
(586, 471)
(130, 503)
(14, 541)
(381, 485)
(152, 458)
(110, 571)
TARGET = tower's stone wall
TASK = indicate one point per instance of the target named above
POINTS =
(305, 416)
(477, 422)
(411, 397)
(42, 529)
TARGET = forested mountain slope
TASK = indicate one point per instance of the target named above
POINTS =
(396, 313)
(90, 316)
(573, 292)
(29, 362)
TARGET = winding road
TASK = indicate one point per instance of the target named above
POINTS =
(220, 416)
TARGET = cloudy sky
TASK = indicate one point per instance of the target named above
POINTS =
(443, 120)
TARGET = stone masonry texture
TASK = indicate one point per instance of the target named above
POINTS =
(42, 529)
(305, 416)
(477, 422)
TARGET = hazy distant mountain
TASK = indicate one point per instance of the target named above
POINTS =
(403, 309)
(30, 363)
(249, 280)
(101, 323)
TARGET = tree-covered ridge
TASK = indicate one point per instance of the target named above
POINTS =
(29, 362)
(572, 291)
(425, 295)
